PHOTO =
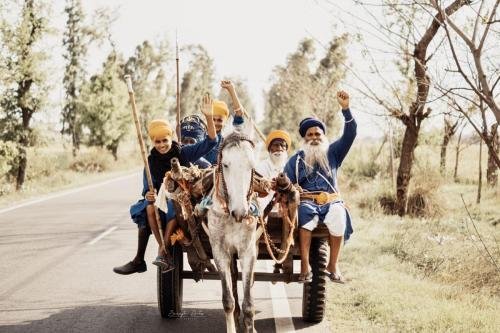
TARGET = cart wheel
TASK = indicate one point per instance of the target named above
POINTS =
(314, 294)
(170, 287)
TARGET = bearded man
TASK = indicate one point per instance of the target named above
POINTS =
(278, 143)
(314, 168)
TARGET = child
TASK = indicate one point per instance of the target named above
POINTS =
(143, 212)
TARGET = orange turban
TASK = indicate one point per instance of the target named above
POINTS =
(279, 134)
(220, 109)
(159, 128)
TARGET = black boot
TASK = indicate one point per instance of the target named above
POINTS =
(138, 265)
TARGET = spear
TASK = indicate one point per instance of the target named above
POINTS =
(177, 94)
(137, 122)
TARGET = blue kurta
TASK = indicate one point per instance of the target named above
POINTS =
(337, 151)
(188, 154)
(212, 154)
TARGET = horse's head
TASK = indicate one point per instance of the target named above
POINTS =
(236, 165)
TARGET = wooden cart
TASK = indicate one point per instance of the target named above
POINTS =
(170, 284)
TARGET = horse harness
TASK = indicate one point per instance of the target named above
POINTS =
(222, 196)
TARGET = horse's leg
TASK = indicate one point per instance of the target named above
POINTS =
(248, 259)
(234, 280)
(223, 262)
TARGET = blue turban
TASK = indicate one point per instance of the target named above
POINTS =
(193, 127)
(308, 123)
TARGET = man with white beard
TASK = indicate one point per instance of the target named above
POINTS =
(278, 143)
(314, 169)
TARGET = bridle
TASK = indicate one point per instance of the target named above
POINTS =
(221, 191)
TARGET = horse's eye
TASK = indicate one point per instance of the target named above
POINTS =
(224, 165)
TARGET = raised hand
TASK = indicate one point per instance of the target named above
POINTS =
(343, 99)
(206, 106)
(228, 85)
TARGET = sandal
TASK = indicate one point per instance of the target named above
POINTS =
(305, 278)
(335, 277)
(164, 263)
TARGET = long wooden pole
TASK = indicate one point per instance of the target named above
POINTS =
(178, 94)
(137, 122)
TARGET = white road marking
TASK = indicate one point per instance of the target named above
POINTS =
(102, 235)
(63, 193)
(281, 308)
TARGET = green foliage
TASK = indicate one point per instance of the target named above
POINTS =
(146, 68)
(104, 99)
(298, 91)
(8, 154)
(23, 84)
(77, 38)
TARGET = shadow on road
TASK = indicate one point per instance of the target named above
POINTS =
(134, 318)
(126, 318)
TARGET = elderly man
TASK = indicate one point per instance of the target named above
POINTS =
(278, 144)
(314, 168)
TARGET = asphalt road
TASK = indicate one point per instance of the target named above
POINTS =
(56, 272)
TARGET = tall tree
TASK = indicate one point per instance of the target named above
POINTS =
(297, 91)
(147, 69)
(104, 100)
(76, 40)
(405, 28)
(24, 85)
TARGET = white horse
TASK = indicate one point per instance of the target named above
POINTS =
(232, 230)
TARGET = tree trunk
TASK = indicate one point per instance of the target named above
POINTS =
(21, 170)
(444, 146)
(492, 170)
(480, 182)
(457, 153)
(405, 165)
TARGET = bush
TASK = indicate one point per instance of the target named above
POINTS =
(93, 161)
(8, 154)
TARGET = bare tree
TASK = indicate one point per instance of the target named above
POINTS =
(475, 58)
(414, 55)
(450, 127)
(485, 83)
(457, 152)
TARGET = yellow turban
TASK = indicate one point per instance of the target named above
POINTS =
(220, 109)
(159, 128)
(279, 134)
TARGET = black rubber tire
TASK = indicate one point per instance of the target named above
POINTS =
(314, 293)
(169, 287)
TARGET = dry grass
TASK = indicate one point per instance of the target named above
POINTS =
(427, 274)
(54, 168)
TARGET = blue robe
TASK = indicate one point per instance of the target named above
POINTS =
(188, 154)
(297, 173)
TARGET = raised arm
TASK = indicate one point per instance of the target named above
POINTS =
(339, 149)
(238, 119)
(237, 108)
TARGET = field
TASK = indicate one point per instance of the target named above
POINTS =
(433, 273)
